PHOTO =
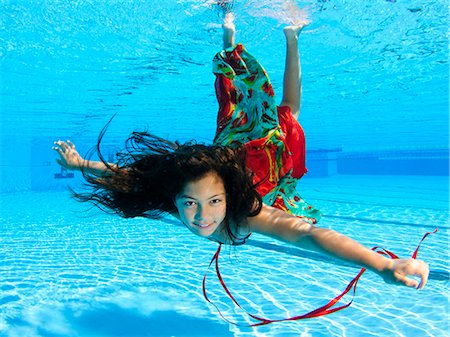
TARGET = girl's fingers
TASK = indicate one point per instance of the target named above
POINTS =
(65, 146)
(410, 282)
(59, 150)
(423, 276)
(421, 270)
(60, 145)
(413, 268)
(72, 145)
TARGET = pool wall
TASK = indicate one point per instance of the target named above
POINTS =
(31, 165)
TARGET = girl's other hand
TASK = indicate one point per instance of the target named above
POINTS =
(400, 270)
(69, 157)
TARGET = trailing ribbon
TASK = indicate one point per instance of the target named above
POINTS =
(321, 311)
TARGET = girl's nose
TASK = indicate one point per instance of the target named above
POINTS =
(201, 213)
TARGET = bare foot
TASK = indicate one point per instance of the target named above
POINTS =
(225, 5)
(292, 32)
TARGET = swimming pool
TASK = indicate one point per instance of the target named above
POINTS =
(67, 271)
(375, 112)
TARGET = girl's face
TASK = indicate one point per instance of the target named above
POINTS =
(202, 204)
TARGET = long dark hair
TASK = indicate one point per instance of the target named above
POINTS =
(151, 171)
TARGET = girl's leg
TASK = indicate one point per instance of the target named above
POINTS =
(229, 30)
(292, 85)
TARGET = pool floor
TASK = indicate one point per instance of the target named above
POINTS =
(67, 270)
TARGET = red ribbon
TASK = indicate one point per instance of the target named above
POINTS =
(321, 311)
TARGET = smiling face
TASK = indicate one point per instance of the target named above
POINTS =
(202, 204)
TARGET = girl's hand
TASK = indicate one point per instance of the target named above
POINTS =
(69, 157)
(398, 271)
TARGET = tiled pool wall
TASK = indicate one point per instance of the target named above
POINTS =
(30, 165)
(428, 162)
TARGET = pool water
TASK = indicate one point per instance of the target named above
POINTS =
(68, 270)
(375, 114)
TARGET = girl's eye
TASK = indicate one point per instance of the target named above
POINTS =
(189, 203)
(216, 201)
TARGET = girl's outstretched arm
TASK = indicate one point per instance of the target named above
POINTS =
(290, 229)
(70, 159)
(292, 83)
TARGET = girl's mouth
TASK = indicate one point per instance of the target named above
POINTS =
(201, 225)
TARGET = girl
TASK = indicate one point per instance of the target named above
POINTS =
(243, 183)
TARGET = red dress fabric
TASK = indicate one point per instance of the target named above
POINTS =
(273, 139)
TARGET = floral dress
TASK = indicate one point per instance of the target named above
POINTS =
(273, 139)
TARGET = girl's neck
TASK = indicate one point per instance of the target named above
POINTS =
(235, 235)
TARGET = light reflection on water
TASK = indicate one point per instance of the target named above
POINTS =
(69, 66)
(375, 76)
(73, 269)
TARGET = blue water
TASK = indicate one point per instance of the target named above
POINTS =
(375, 112)
(70, 271)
